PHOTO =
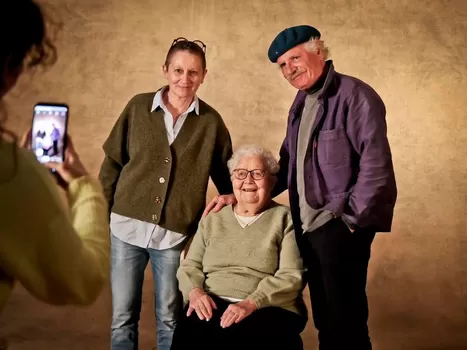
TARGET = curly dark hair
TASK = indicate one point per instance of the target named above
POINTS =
(24, 43)
(23, 38)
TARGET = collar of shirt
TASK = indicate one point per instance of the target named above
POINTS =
(157, 102)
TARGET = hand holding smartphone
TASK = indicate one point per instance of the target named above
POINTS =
(49, 130)
(49, 141)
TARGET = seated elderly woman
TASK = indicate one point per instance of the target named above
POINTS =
(242, 276)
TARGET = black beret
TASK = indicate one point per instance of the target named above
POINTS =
(290, 38)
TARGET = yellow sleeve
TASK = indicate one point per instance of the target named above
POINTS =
(60, 256)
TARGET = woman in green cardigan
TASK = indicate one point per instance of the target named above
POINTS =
(242, 277)
(158, 159)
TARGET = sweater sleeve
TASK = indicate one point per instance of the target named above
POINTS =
(116, 154)
(223, 151)
(375, 189)
(287, 283)
(190, 273)
(281, 184)
(60, 257)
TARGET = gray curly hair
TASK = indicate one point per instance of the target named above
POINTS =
(272, 165)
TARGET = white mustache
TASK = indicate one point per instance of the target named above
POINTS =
(295, 74)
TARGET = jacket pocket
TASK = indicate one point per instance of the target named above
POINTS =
(333, 148)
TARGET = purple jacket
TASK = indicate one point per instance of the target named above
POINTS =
(348, 166)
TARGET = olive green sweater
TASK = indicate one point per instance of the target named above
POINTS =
(146, 179)
(260, 262)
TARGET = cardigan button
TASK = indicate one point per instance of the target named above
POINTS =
(154, 217)
(161, 180)
(158, 200)
(167, 160)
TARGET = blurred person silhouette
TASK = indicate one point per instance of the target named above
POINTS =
(58, 252)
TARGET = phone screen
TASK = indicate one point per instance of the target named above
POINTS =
(49, 128)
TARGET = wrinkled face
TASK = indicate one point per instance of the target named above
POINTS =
(301, 68)
(184, 74)
(250, 190)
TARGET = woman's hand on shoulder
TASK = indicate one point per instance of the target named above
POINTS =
(237, 312)
(201, 303)
(219, 202)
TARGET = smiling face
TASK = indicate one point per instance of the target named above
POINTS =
(250, 191)
(300, 67)
(184, 73)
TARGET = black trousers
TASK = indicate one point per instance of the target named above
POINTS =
(337, 261)
(269, 328)
(55, 147)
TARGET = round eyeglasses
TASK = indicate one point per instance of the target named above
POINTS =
(256, 174)
(190, 42)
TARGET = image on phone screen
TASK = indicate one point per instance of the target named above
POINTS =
(49, 131)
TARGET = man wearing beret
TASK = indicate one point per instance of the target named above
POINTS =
(337, 165)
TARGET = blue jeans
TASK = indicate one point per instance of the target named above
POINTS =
(127, 276)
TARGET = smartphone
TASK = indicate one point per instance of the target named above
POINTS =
(49, 130)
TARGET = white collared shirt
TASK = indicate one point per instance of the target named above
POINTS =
(145, 234)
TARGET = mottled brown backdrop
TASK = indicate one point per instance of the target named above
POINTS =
(412, 52)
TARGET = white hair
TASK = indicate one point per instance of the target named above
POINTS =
(272, 165)
(315, 45)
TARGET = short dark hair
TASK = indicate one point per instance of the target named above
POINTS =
(189, 46)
